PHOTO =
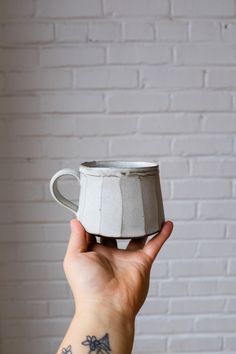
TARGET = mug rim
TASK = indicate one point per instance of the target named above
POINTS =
(118, 166)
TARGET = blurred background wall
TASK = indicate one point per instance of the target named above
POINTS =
(119, 79)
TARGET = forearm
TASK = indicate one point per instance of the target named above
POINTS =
(114, 333)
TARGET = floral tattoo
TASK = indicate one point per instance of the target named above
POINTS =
(67, 350)
(99, 346)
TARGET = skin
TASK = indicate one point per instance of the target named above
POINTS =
(109, 286)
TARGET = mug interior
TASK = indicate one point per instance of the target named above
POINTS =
(118, 164)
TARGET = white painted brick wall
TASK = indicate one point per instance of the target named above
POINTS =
(137, 79)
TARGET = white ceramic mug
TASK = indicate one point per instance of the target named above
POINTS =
(120, 199)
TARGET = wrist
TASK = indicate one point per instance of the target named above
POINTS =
(110, 309)
(108, 318)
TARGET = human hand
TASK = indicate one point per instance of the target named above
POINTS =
(101, 275)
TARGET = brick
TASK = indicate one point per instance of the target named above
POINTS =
(6, 213)
(195, 344)
(166, 189)
(226, 286)
(27, 148)
(169, 123)
(1, 32)
(149, 343)
(40, 252)
(71, 32)
(40, 169)
(159, 269)
(56, 232)
(43, 327)
(19, 104)
(107, 31)
(180, 210)
(153, 286)
(13, 8)
(199, 230)
(73, 8)
(199, 189)
(3, 128)
(60, 125)
(203, 8)
(137, 102)
(209, 167)
(23, 309)
(74, 147)
(34, 233)
(168, 78)
(165, 324)
(106, 78)
(138, 31)
(219, 324)
(232, 267)
(28, 32)
(212, 54)
(15, 191)
(202, 145)
(5, 170)
(40, 212)
(222, 79)
(172, 30)
(98, 125)
(26, 271)
(150, 306)
(2, 81)
(7, 253)
(229, 32)
(136, 8)
(217, 210)
(37, 290)
(174, 168)
(199, 287)
(7, 291)
(231, 308)
(71, 103)
(200, 101)
(61, 308)
(204, 31)
(26, 345)
(19, 59)
(173, 288)
(230, 342)
(45, 126)
(139, 54)
(231, 230)
(198, 268)
(71, 56)
(179, 249)
(203, 305)
(135, 146)
(39, 80)
(217, 249)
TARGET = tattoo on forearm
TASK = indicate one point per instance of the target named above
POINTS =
(67, 350)
(99, 346)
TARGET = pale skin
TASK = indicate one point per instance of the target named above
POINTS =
(109, 286)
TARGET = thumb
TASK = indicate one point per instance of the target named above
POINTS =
(77, 242)
(153, 246)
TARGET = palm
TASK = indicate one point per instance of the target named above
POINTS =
(102, 273)
(112, 275)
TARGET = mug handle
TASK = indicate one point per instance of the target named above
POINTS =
(57, 194)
